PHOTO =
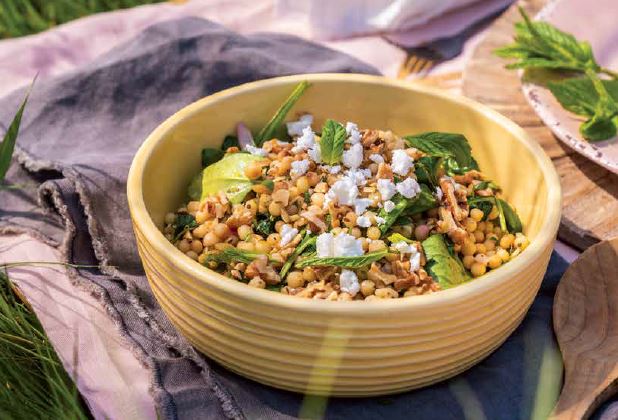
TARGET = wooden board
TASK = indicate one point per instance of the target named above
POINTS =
(590, 193)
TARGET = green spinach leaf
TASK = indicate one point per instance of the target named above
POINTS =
(269, 130)
(446, 269)
(332, 141)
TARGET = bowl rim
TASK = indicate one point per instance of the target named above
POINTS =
(143, 222)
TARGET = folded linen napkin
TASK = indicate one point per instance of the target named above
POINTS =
(78, 137)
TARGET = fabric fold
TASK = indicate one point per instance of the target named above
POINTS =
(78, 138)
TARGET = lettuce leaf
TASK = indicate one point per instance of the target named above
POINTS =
(227, 175)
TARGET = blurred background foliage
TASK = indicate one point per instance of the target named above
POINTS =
(24, 17)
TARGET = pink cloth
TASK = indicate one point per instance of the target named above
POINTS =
(114, 384)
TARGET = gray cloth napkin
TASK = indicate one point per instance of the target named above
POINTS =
(79, 135)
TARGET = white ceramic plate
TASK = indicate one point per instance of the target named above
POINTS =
(596, 22)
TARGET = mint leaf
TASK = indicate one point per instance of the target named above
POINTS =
(346, 262)
(445, 268)
(445, 145)
(269, 130)
(598, 128)
(332, 141)
(579, 96)
(593, 99)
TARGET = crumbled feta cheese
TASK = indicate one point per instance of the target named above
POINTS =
(401, 162)
(387, 188)
(345, 245)
(287, 234)
(357, 175)
(256, 151)
(363, 221)
(305, 142)
(389, 206)
(408, 188)
(299, 167)
(439, 193)
(343, 192)
(342, 245)
(348, 282)
(380, 220)
(332, 169)
(354, 136)
(404, 248)
(353, 157)
(295, 128)
(376, 158)
(324, 245)
(315, 153)
(415, 262)
(361, 204)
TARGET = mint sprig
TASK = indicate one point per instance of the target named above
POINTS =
(346, 262)
(542, 45)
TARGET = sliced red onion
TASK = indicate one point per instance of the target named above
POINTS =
(244, 136)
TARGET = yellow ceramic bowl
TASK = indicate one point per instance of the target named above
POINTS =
(342, 348)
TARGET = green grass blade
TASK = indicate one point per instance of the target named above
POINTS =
(8, 142)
